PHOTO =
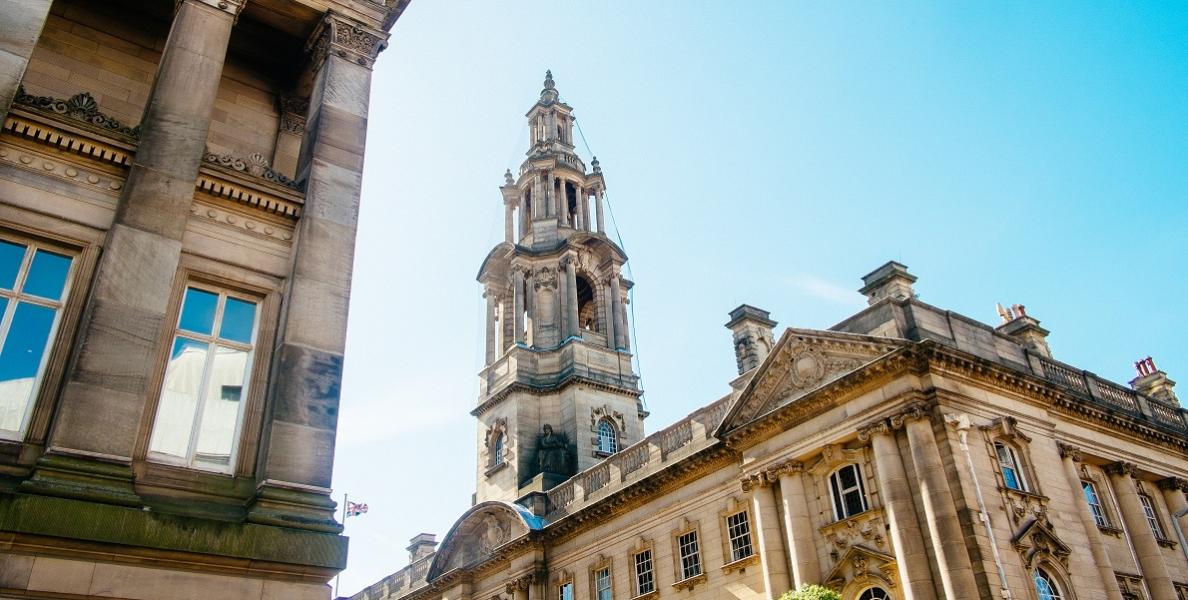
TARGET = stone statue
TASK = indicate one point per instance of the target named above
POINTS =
(552, 451)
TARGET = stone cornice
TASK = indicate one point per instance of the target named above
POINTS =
(571, 379)
(346, 38)
(80, 109)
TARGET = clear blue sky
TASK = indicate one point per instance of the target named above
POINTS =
(762, 152)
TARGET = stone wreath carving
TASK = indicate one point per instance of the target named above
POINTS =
(79, 107)
(255, 165)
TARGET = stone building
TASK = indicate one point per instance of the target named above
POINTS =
(179, 189)
(907, 452)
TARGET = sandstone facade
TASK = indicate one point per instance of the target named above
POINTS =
(907, 452)
(179, 188)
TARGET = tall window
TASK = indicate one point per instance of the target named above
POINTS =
(34, 282)
(1152, 519)
(1008, 464)
(608, 437)
(206, 381)
(565, 591)
(875, 593)
(602, 584)
(1046, 587)
(849, 497)
(738, 530)
(645, 581)
(497, 450)
(1095, 505)
(690, 555)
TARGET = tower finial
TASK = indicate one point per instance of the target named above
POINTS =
(549, 94)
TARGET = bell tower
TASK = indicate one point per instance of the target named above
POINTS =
(558, 392)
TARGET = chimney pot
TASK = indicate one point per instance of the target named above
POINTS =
(891, 280)
(753, 336)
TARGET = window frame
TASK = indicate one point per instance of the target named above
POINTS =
(84, 254)
(861, 594)
(837, 494)
(1100, 516)
(562, 586)
(732, 551)
(1016, 465)
(603, 566)
(1152, 515)
(678, 556)
(615, 437)
(636, 574)
(266, 291)
(1053, 583)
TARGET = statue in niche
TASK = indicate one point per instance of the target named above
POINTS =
(552, 451)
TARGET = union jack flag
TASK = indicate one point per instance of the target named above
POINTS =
(354, 509)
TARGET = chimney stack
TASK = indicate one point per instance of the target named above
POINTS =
(891, 280)
(420, 546)
(753, 337)
(1024, 329)
(1154, 383)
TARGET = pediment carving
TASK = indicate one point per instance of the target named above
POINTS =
(803, 361)
(1037, 542)
(477, 536)
(861, 566)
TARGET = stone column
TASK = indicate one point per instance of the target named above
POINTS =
(490, 296)
(575, 328)
(1174, 489)
(23, 22)
(289, 134)
(798, 527)
(508, 222)
(298, 458)
(582, 207)
(525, 217)
(563, 300)
(1071, 455)
(518, 305)
(107, 388)
(608, 314)
(911, 558)
(767, 532)
(563, 202)
(598, 210)
(1150, 557)
(940, 512)
(617, 312)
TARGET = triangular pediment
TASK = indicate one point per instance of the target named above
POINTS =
(1036, 541)
(802, 361)
(861, 564)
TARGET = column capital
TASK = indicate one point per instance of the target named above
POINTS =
(870, 430)
(346, 38)
(914, 411)
(231, 7)
(293, 110)
(1174, 483)
(522, 582)
(1069, 451)
(788, 467)
(754, 480)
(1122, 468)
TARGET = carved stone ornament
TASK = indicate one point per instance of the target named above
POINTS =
(292, 114)
(868, 431)
(80, 107)
(255, 165)
(1069, 451)
(494, 536)
(1174, 483)
(606, 412)
(1006, 428)
(913, 412)
(231, 7)
(545, 278)
(1122, 468)
(1037, 542)
(348, 39)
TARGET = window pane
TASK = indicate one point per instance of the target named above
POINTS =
(849, 477)
(220, 412)
(47, 275)
(238, 318)
(21, 359)
(11, 256)
(854, 503)
(198, 311)
(179, 398)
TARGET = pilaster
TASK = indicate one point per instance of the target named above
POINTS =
(23, 22)
(767, 530)
(940, 511)
(1146, 546)
(798, 527)
(911, 558)
(307, 364)
(1070, 455)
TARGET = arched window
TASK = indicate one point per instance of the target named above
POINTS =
(849, 495)
(587, 305)
(874, 593)
(608, 437)
(1009, 465)
(497, 450)
(1046, 586)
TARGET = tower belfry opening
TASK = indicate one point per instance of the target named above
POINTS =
(558, 356)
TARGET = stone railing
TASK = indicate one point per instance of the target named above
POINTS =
(637, 461)
(1113, 396)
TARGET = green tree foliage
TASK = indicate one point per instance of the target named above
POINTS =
(811, 592)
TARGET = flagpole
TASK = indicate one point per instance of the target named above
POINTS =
(344, 520)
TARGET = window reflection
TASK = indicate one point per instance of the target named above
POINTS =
(202, 396)
(33, 285)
